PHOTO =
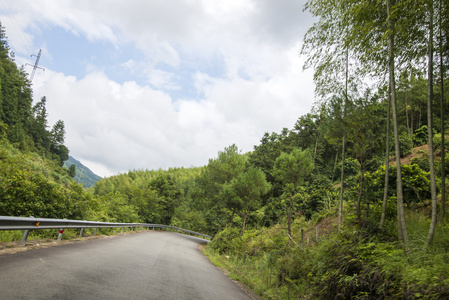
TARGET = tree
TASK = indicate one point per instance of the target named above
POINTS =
(169, 196)
(402, 225)
(429, 126)
(443, 26)
(328, 47)
(387, 165)
(219, 172)
(38, 126)
(58, 133)
(232, 201)
(363, 131)
(249, 186)
(292, 169)
(72, 171)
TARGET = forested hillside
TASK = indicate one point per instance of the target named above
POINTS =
(349, 202)
(82, 173)
(32, 180)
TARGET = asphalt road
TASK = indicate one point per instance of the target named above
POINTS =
(148, 265)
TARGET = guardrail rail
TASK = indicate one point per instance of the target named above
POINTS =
(31, 223)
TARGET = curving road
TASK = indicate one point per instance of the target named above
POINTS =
(148, 265)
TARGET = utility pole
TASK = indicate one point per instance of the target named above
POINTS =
(36, 64)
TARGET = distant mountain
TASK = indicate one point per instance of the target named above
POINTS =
(83, 175)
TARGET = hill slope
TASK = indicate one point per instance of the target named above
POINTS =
(83, 174)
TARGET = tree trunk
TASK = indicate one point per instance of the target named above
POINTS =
(433, 189)
(420, 116)
(316, 140)
(340, 209)
(335, 166)
(406, 114)
(244, 217)
(402, 225)
(290, 214)
(443, 148)
(232, 218)
(387, 165)
(359, 198)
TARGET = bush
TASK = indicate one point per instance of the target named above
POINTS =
(346, 267)
(420, 136)
(415, 181)
(405, 144)
(437, 141)
(227, 241)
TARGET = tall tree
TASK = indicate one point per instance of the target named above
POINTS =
(441, 15)
(387, 164)
(38, 126)
(292, 170)
(249, 186)
(429, 125)
(327, 47)
(402, 225)
(363, 131)
(218, 172)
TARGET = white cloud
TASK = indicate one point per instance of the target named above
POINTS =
(239, 60)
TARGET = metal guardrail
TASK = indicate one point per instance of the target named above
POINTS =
(31, 223)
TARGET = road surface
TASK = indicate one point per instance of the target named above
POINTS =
(148, 265)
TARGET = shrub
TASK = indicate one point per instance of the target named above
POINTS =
(349, 268)
(420, 136)
(405, 144)
(416, 183)
(227, 241)
(437, 141)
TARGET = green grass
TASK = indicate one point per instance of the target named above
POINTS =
(358, 263)
(10, 236)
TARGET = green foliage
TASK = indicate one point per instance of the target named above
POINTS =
(116, 208)
(30, 186)
(416, 183)
(349, 267)
(169, 196)
(420, 136)
(249, 186)
(72, 171)
(227, 241)
(24, 125)
(437, 141)
(355, 263)
(406, 144)
(293, 168)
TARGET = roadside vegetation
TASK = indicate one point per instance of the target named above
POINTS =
(349, 203)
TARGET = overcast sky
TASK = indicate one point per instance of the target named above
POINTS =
(156, 84)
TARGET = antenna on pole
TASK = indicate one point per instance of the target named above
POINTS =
(36, 64)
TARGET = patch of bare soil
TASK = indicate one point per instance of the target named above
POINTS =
(417, 152)
(14, 247)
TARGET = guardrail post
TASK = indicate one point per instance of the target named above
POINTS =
(24, 238)
(121, 230)
(95, 231)
(61, 231)
(81, 232)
